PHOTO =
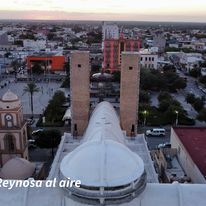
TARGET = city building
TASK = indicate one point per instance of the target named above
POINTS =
(110, 31)
(159, 41)
(34, 44)
(13, 129)
(149, 59)
(113, 49)
(50, 62)
(190, 143)
(3, 38)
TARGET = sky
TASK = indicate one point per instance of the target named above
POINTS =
(127, 10)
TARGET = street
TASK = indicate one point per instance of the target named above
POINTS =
(153, 142)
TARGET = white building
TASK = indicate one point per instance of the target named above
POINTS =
(149, 59)
(110, 31)
(191, 60)
(35, 45)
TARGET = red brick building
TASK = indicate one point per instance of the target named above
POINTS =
(113, 49)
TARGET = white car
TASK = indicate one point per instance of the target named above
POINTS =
(157, 132)
(36, 132)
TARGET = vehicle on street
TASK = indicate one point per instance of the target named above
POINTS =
(30, 121)
(156, 132)
(164, 145)
(31, 144)
(36, 132)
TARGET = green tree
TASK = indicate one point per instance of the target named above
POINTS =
(144, 97)
(37, 69)
(15, 65)
(49, 139)
(195, 72)
(202, 115)
(198, 104)
(190, 98)
(54, 110)
(202, 79)
(31, 88)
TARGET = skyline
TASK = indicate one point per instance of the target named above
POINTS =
(131, 10)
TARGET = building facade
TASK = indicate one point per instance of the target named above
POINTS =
(80, 93)
(13, 130)
(110, 31)
(129, 92)
(113, 49)
(52, 63)
(191, 151)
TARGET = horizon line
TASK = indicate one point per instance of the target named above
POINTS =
(143, 21)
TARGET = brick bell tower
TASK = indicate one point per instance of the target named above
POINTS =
(129, 92)
(80, 92)
(13, 130)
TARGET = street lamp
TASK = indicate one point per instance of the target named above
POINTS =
(177, 113)
(145, 116)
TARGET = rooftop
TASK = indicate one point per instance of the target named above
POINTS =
(194, 141)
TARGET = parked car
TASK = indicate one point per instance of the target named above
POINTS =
(36, 132)
(30, 121)
(157, 132)
(164, 145)
(31, 144)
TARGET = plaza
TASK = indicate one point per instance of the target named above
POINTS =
(40, 99)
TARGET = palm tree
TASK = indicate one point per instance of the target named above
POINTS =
(31, 88)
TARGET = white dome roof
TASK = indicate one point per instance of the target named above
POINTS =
(104, 123)
(9, 101)
(9, 96)
(102, 164)
(17, 168)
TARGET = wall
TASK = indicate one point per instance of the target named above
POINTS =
(185, 160)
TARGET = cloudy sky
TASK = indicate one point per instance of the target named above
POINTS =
(136, 10)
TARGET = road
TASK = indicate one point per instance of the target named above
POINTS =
(153, 142)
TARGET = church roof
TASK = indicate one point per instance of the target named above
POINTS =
(17, 168)
(9, 96)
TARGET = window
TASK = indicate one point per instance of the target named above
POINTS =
(130, 68)
(9, 143)
(79, 65)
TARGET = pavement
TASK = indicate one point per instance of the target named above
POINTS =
(40, 98)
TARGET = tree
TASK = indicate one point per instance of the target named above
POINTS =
(15, 65)
(67, 68)
(190, 98)
(31, 88)
(54, 110)
(202, 115)
(49, 139)
(202, 79)
(195, 72)
(144, 97)
(164, 96)
(37, 69)
(116, 76)
(198, 104)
